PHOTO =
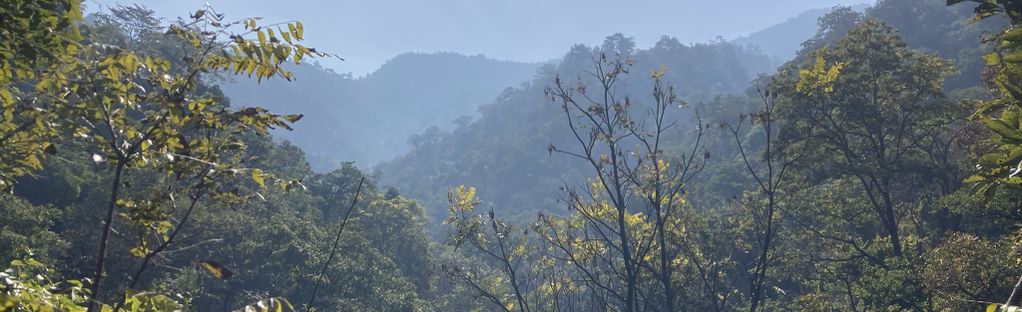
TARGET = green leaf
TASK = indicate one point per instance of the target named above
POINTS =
(1014, 34)
(1013, 57)
(974, 179)
(293, 31)
(1003, 129)
(1010, 116)
(287, 36)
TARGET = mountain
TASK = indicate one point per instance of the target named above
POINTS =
(783, 40)
(504, 152)
(369, 119)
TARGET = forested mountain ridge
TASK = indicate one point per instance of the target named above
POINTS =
(878, 170)
(471, 154)
(505, 151)
(369, 119)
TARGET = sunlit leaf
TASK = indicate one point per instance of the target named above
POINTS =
(258, 177)
(218, 271)
(293, 118)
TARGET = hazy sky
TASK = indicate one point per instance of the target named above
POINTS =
(369, 32)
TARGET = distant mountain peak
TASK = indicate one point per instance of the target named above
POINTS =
(369, 119)
(783, 40)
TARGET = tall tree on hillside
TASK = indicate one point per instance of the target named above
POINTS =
(871, 101)
(770, 170)
(603, 120)
(635, 202)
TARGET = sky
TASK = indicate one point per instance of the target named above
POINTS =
(367, 33)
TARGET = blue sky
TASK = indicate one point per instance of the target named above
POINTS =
(369, 32)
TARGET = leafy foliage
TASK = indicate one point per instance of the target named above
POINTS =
(28, 286)
(38, 37)
(1001, 114)
(504, 153)
(833, 184)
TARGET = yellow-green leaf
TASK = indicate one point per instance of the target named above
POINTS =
(139, 251)
(258, 177)
(293, 118)
(218, 271)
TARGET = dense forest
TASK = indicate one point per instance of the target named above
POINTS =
(861, 158)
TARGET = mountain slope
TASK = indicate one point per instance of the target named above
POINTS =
(783, 40)
(369, 119)
(515, 131)
(504, 153)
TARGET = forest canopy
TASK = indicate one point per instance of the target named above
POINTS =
(875, 170)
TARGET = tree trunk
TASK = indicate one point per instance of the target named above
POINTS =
(665, 263)
(629, 265)
(1016, 295)
(892, 230)
(97, 276)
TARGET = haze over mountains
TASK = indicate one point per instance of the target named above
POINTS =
(350, 118)
(370, 32)
(353, 119)
(783, 40)
(515, 130)
(846, 159)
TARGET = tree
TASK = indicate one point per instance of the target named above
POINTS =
(137, 112)
(771, 172)
(27, 231)
(637, 196)
(141, 114)
(605, 204)
(1001, 114)
(870, 101)
(1000, 167)
(503, 244)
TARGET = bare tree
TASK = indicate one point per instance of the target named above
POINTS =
(769, 170)
(632, 175)
(662, 185)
